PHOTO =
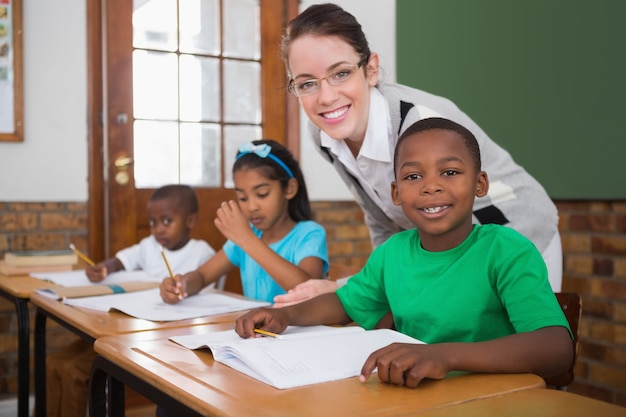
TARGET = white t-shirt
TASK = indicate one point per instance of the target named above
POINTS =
(146, 256)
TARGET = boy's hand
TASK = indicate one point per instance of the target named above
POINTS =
(172, 291)
(304, 291)
(270, 319)
(406, 364)
(232, 223)
(97, 272)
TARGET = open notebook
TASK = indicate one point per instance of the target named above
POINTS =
(148, 305)
(75, 284)
(301, 356)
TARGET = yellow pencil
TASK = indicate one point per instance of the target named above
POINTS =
(81, 255)
(266, 333)
(180, 296)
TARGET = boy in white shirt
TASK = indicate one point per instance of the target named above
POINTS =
(172, 213)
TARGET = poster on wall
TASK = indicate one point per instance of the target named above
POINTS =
(10, 71)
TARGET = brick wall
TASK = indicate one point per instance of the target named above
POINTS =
(348, 237)
(594, 247)
(33, 226)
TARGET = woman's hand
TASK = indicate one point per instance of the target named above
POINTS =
(306, 290)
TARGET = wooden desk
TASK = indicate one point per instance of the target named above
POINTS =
(18, 289)
(534, 402)
(91, 325)
(190, 383)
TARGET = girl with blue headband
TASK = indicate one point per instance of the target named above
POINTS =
(271, 236)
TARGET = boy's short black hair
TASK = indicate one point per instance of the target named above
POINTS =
(184, 195)
(441, 123)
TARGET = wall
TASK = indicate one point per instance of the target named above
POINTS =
(51, 163)
(55, 75)
(593, 234)
(31, 226)
(544, 79)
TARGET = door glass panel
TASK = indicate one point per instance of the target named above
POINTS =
(200, 150)
(233, 137)
(201, 31)
(154, 24)
(156, 153)
(242, 34)
(199, 88)
(242, 92)
(155, 85)
(189, 99)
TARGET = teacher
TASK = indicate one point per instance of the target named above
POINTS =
(355, 120)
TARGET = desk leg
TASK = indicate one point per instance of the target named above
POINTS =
(97, 393)
(40, 364)
(23, 353)
(105, 372)
(105, 392)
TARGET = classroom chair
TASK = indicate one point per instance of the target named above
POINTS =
(572, 307)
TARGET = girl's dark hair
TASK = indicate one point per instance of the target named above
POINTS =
(325, 20)
(440, 123)
(184, 196)
(299, 206)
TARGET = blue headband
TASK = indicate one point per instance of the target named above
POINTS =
(262, 151)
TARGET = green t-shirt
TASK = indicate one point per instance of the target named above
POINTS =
(494, 284)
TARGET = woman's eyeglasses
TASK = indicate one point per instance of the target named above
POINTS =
(335, 77)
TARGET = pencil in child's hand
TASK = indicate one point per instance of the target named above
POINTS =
(81, 255)
(180, 296)
(266, 333)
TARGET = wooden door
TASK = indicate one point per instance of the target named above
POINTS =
(117, 200)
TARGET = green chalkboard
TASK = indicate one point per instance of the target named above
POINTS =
(546, 79)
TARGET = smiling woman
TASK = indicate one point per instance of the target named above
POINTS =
(355, 126)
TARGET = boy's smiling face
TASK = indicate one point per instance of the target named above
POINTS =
(436, 182)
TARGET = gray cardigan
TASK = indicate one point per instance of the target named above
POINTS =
(515, 198)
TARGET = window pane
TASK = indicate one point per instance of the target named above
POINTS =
(156, 153)
(234, 136)
(200, 151)
(242, 34)
(154, 24)
(200, 26)
(192, 104)
(242, 92)
(155, 85)
(199, 89)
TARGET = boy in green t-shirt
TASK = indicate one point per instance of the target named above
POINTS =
(479, 296)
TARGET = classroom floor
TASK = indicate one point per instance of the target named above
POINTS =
(8, 408)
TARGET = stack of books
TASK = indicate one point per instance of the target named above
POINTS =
(26, 262)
